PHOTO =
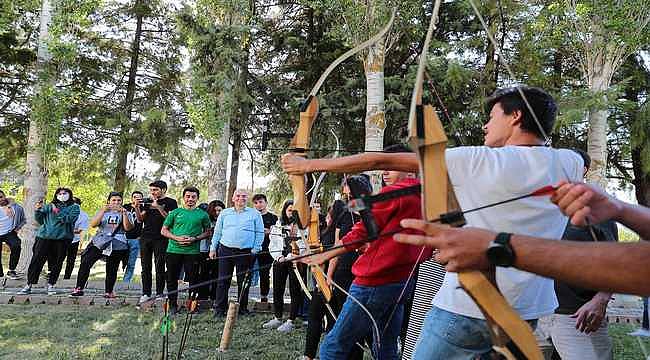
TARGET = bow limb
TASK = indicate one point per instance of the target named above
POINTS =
(429, 141)
(304, 214)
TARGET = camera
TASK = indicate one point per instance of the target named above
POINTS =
(146, 202)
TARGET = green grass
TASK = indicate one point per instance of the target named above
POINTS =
(96, 332)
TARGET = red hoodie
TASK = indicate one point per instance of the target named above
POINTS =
(387, 261)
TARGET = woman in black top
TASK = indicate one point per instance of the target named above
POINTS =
(339, 222)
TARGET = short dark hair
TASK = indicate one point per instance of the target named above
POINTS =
(159, 184)
(58, 190)
(259, 196)
(191, 189)
(76, 200)
(114, 193)
(218, 203)
(540, 101)
(137, 192)
(586, 159)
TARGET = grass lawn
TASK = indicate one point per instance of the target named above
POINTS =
(95, 332)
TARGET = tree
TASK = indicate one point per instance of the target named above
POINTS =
(605, 33)
(37, 141)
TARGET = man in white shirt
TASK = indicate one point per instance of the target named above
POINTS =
(80, 227)
(514, 161)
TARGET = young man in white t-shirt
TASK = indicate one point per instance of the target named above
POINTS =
(514, 161)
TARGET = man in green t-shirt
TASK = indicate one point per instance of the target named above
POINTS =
(185, 228)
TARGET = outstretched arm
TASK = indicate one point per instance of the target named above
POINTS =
(582, 201)
(603, 266)
(295, 165)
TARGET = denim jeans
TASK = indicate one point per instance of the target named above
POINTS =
(451, 336)
(354, 325)
(134, 250)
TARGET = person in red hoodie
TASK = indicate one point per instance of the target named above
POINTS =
(381, 276)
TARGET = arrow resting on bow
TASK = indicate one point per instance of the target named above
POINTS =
(427, 138)
(307, 216)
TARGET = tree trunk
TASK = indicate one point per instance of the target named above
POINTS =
(641, 179)
(36, 172)
(375, 121)
(124, 141)
(234, 164)
(218, 166)
(599, 80)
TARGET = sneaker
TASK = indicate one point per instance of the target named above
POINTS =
(110, 295)
(51, 289)
(76, 292)
(272, 324)
(143, 299)
(286, 327)
(12, 274)
(26, 290)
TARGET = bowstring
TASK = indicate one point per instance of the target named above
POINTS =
(505, 64)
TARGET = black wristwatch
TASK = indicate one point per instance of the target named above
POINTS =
(500, 252)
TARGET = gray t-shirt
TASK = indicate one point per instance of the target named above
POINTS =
(110, 221)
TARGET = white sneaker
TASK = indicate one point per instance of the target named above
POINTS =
(143, 298)
(26, 290)
(51, 290)
(272, 324)
(286, 327)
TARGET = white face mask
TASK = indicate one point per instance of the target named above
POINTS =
(63, 197)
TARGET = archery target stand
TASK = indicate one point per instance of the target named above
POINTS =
(229, 325)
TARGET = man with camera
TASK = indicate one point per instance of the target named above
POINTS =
(152, 213)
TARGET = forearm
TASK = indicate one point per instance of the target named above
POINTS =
(367, 161)
(97, 219)
(126, 223)
(204, 235)
(637, 218)
(168, 234)
(598, 266)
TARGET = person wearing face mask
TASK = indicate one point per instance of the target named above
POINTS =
(55, 233)
(112, 221)
(12, 218)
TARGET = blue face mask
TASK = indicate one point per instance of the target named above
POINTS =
(63, 197)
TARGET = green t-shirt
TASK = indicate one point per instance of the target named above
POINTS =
(186, 222)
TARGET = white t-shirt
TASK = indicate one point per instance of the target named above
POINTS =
(82, 224)
(482, 175)
(6, 221)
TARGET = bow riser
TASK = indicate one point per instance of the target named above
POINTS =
(315, 246)
(301, 141)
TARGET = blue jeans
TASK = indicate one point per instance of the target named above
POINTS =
(451, 336)
(134, 250)
(354, 325)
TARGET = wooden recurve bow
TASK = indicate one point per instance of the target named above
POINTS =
(428, 139)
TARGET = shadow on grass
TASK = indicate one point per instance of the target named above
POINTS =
(95, 332)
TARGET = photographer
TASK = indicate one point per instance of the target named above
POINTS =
(152, 213)
(113, 221)
(57, 221)
(133, 236)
